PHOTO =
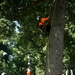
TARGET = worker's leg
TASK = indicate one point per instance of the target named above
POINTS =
(48, 27)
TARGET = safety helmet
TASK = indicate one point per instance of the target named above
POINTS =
(3, 73)
(4, 53)
(38, 17)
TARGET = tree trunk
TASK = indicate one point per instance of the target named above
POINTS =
(55, 45)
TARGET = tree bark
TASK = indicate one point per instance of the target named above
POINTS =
(55, 45)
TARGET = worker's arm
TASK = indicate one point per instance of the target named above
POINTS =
(45, 18)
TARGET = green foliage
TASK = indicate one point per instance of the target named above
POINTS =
(28, 39)
(69, 44)
(70, 10)
(6, 27)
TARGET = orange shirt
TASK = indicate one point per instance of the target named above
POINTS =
(29, 73)
(42, 21)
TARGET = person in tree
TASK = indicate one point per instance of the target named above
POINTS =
(28, 72)
(43, 24)
(5, 57)
(69, 71)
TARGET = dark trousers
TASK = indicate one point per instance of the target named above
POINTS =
(45, 28)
